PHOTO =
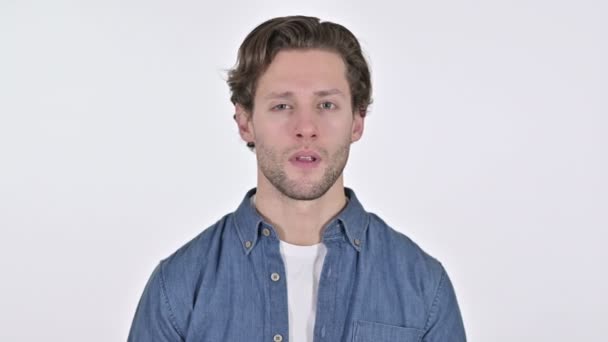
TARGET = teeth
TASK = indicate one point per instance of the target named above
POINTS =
(306, 158)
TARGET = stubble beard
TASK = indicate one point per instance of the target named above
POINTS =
(271, 165)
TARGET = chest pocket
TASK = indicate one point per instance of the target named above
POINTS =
(365, 331)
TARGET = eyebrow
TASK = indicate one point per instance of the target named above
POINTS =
(289, 94)
(322, 93)
(283, 95)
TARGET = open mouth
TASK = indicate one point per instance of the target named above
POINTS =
(305, 159)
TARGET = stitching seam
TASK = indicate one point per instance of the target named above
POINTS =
(163, 291)
(435, 300)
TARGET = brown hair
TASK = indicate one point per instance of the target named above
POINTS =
(298, 32)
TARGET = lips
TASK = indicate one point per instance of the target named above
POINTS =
(305, 159)
(305, 156)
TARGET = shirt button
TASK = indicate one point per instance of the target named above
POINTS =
(277, 338)
(247, 244)
(266, 232)
(357, 242)
(275, 277)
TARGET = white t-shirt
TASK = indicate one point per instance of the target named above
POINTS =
(303, 265)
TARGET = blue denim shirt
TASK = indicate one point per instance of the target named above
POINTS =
(376, 285)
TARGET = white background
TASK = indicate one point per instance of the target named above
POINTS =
(486, 145)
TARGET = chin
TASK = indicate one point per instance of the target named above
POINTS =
(304, 192)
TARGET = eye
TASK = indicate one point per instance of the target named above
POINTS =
(327, 105)
(281, 106)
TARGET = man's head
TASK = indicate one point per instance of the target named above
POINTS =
(301, 89)
(298, 33)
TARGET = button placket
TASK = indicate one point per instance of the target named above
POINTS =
(327, 291)
(277, 287)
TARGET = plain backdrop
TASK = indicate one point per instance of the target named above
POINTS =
(486, 144)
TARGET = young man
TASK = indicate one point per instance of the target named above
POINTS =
(300, 259)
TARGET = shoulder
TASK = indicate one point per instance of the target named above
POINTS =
(193, 254)
(182, 271)
(420, 278)
(386, 237)
(171, 289)
(404, 256)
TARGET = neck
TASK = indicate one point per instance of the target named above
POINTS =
(299, 222)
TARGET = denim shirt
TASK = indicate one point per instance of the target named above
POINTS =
(228, 284)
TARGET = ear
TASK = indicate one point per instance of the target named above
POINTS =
(358, 125)
(244, 123)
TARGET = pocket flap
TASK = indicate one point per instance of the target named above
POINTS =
(366, 331)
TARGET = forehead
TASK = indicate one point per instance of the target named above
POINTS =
(304, 71)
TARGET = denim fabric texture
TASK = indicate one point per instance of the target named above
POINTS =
(228, 284)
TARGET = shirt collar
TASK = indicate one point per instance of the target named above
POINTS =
(351, 222)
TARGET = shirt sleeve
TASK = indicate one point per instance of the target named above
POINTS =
(444, 323)
(154, 319)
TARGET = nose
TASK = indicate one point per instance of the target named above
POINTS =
(306, 125)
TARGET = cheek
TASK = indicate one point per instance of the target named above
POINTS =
(268, 121)
(269, 134)
(260, 127)
(339, 129)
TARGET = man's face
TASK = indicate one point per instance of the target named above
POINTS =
(302, 123)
